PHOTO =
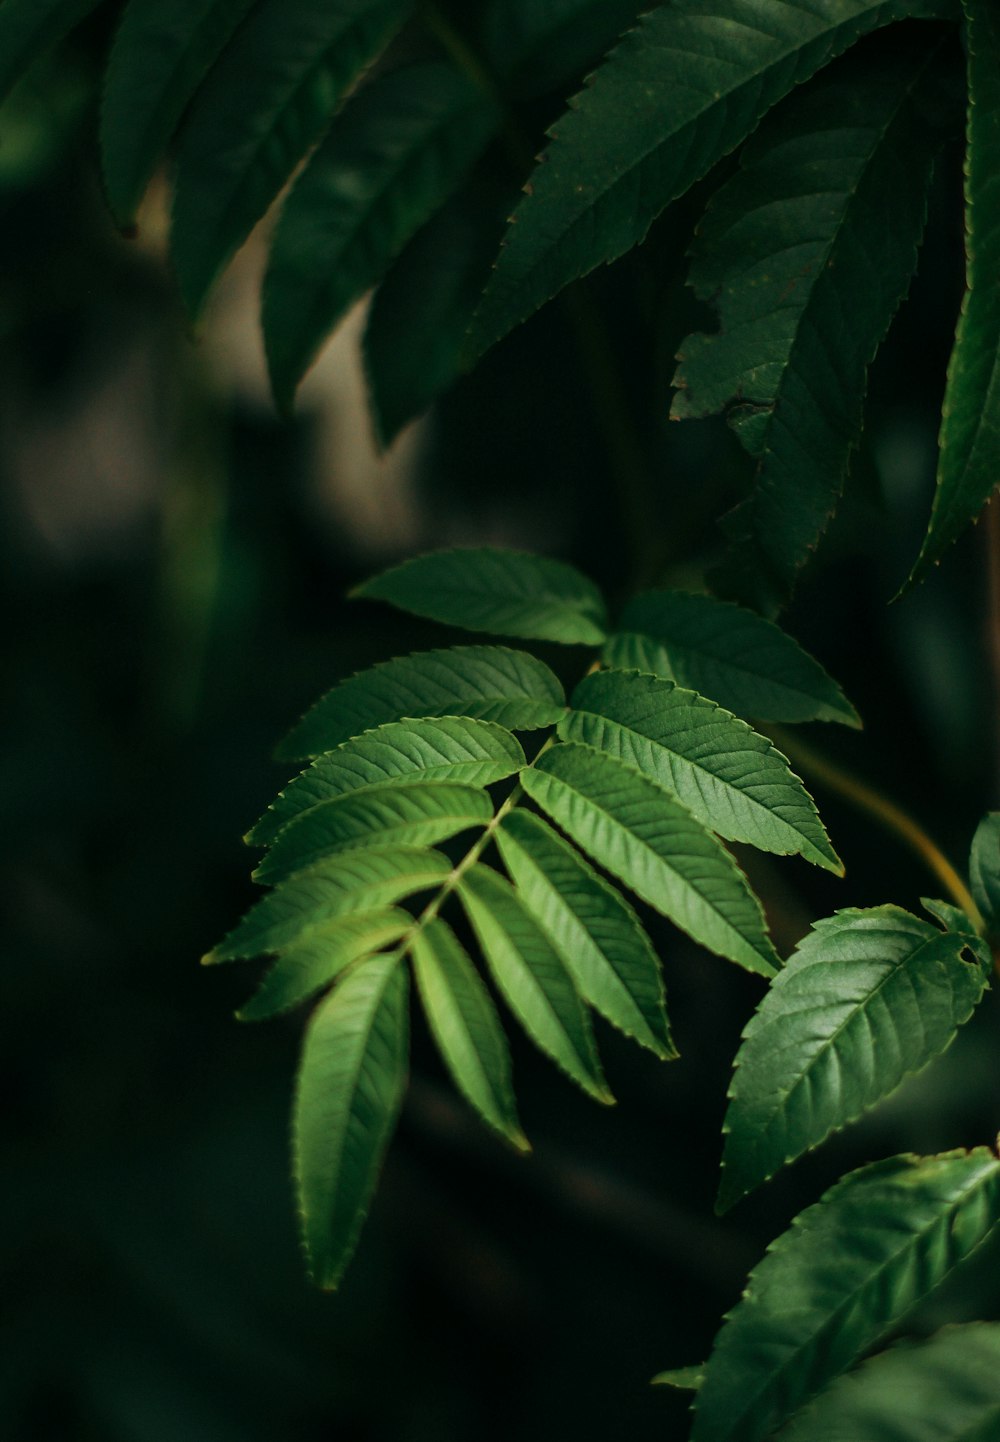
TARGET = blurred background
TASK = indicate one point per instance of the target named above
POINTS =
(175, 561)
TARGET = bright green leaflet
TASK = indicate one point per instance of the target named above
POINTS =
(322, 954)
(446, 748)
(808, 251)
(946, 1389)
(685, 1379)
(270, 96)
(416, 813)
(512, 593)
(489, 682)
(848, 1270)
(466, 1027)
(542, 45)
(729, 653)
(706, 72)
(868, 998)
(30, 27)
(969, 461)
(642, 835)
(984, 866)
(595, 931)
(350, 1086)
(730, 778)
(353, 881)
(532, 977)
(161, 54)
(391, 160)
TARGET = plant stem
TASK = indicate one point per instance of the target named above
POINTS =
(892, 817)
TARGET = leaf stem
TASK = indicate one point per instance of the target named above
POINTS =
(892, 817)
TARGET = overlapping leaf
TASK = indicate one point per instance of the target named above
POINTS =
(30, 27)
(868, 998)
(842, 1277)
(541, 45)
(984, 866)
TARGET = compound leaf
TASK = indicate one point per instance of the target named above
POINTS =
(868, 998)
(729, 777)
(848, 1270)
(491, 683)
(510, 593)
(637, 831)
(350, 1086)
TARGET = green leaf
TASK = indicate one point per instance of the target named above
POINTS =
(952, 918)
(532, 978)
(684, 88)
(984, 866)
(511, 593)
(809, 249)
(416, 813)
(319, 956)
(848, 1270)
(270, 96)
(685, 1379)
(446, 748)
(969, 455)
(738, 658)
(161, 54)
(729, 777)
(352, 882)
(868, 998)
(637, 831)
(28, 28)
(538, 46)
(488, 682)
(466, 1027)
(595, 931)
(392, 158)
(350, 1086)
(946, 1389)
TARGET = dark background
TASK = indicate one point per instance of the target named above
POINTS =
(174, 567)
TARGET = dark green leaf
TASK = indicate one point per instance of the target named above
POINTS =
(639, 832)
(595, 931)
(466, 1027)
(969, 463)
(543, 45)
(730, 778)
(684, 88)
(488, 682)
(30, 27)
(351, 1083)
(269, 97)
(847, 1271)
(984, 866)
(416, 813)
(446, 748)
(738, 658)
(511, 593)
(162, 52)
(391, 160)
(868, 998)
(532, 978)
(952, 918)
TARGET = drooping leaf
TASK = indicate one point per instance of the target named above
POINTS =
(684, 1379)
(637, 831)
(537, 46)
(491, 683)
(161, 54)
(320, 955)
(868, 998)
(466, 1027)
(595, 931)
(414, 813)
(350, 1085)
(946, 1389)
(532, 977)
(809, 249)
(969, 456)
(729, 653)
(353, 881)
(509, 593)
(849, 1268)
(984, 866)
(684, 88)
(728, 776)
(269, 97)
(392, 157)
(446, 748)
(28, 28)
